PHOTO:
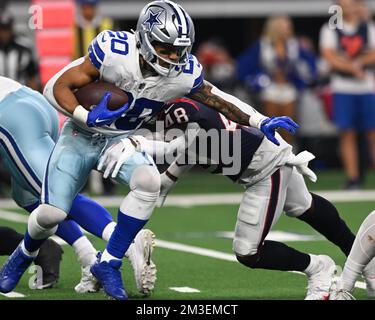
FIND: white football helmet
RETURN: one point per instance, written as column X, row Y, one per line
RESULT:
column 165, row 22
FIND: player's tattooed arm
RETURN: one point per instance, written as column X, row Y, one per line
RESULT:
column 223, row 103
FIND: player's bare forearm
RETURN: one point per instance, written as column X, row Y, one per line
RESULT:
column 337, row 61
column 70, row 80
column 228, row 109
column 368, row 58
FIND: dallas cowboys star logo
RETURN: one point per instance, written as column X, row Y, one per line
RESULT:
column 153, row 19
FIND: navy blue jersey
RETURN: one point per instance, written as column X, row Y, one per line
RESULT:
column 236, row 141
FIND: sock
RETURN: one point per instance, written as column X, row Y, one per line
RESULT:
column 106, row 256
column 69, row 231
column 277, row 256
column 32, row 254
column 362, row 252
column 31, row 246
column 90, row 215
column 85, row 251
column 325, row 219
column 125, row 231
column 9, row 240
column 35, row 234
column 313, row 265
column 108, row 230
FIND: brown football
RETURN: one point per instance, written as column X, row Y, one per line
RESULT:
column 91, row 94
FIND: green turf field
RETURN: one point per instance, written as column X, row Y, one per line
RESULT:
column 214, row 277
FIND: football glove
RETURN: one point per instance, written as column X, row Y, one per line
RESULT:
column 166, row 186
column 115, row 156
column 270, row 125
column 100, row 115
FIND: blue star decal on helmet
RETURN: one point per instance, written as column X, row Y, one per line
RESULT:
column 153, row 19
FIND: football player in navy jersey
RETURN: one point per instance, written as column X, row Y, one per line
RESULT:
column 273, row 182
column 153, row 65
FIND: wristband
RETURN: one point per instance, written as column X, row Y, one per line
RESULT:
column 256, row 120
column 80, row 114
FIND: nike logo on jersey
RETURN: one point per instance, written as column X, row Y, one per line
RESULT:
column 103, row 38
column 169, row 108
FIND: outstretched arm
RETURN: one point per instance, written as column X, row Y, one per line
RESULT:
column 236, row 110
column 231, row 107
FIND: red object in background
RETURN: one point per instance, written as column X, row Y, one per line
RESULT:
column 62, row 119
column 325, row 94
column 54, row 43
column 57, row 13
column 50, row 66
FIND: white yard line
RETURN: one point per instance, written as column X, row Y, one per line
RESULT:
column 184, row 289
column 13, row 294
column 222, row 198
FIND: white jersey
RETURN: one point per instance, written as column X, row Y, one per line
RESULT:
column 116, row 57
column 329, row 38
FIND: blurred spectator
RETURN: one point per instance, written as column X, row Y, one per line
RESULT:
column 88, row 24
column 277, row 67
column 218, row 66
column 364, row 11
column 350, row 52
column 16, row 60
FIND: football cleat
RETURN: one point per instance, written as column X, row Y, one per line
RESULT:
column 109, row 276
column 13, row 269
column 88, row 283
column 369, row 275
column 338, row 293
column 49, row 258
column 319, row 283
column 140, row 259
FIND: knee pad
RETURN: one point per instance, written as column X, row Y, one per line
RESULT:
column 248, row 260
column 145, row 188
column 36, row 230
column 49, row 216
column 145, row 183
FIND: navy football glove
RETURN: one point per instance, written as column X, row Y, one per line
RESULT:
column 100, row 115
column 269, row 126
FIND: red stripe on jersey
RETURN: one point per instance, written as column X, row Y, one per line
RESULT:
column 187, row 101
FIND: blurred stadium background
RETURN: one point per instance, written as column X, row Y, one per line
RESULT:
column 194, row 253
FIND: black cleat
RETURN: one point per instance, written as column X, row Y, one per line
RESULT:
column 49, row 258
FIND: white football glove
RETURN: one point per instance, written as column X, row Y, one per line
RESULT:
column 115, row 156
column 166, row 186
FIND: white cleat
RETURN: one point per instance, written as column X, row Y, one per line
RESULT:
column 319, row 283
column 140, row 259
column 338, row 293
column 369, row 275
column 88, row 282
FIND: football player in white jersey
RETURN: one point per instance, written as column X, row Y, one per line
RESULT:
column 25, row 145
column 153, row 65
